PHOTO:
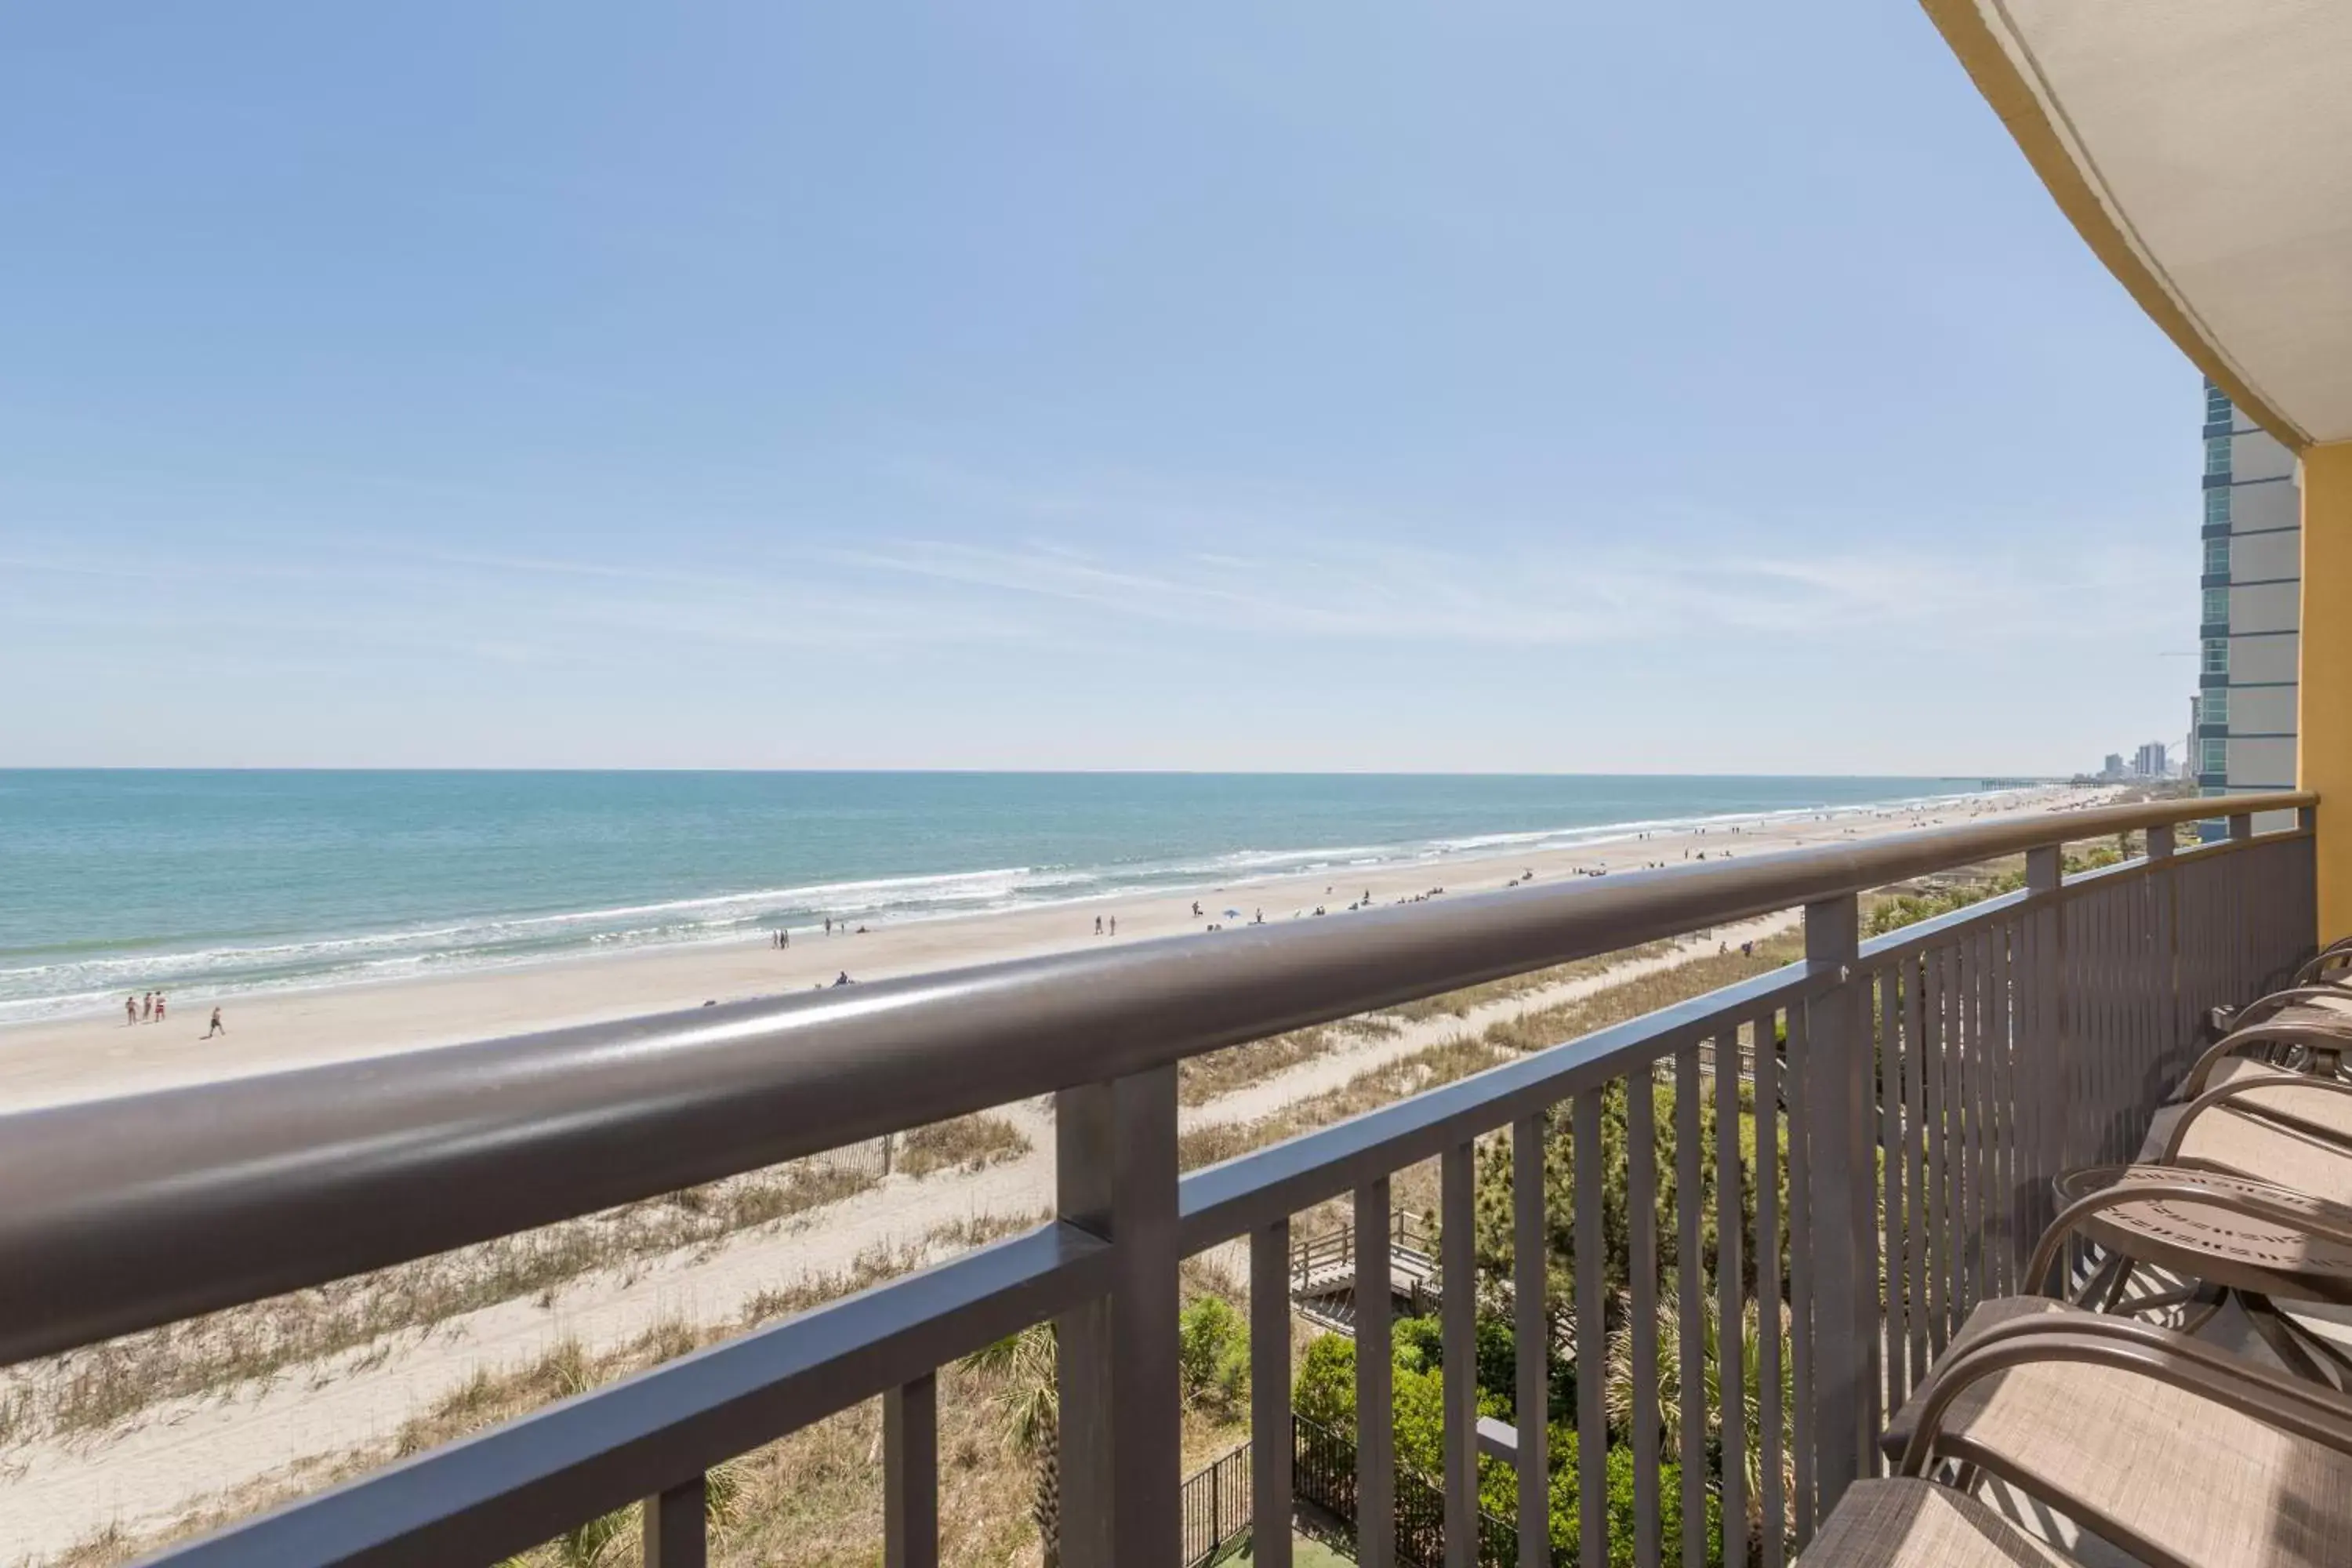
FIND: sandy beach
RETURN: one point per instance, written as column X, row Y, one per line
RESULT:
column 49, row 1062
column 236, row 1445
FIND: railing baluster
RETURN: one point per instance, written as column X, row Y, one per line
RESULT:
column 1730, row 1372
column 2000, row 1032
column 1979, row 1063
column 2024, row 1066
column 2099, row 998
column 1121, row 1459
column 1914, row 1155
column 2000, row 1112
column 1642, row 1268
column 910, row 1475
column 2091, row 989
column 1270, row 1431
column 1689, row 1293
column 1532, row 1332
column 675, row 1536
column 1796, row 1075
column 2044, row 917
column 2241, row 970
column 1375, row 1392
column 2075, row 1002
column 1889, row 1229
column 1943, row 1224
column 1458, row 1324
column 1967, row 1129
column 2103, row 995
column 1842, row 1177
column 2163, row 962
column 1592, row 1330
column 1769, row 1412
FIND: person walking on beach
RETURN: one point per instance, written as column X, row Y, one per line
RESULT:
column 147, row 1007
column 130, row 1011
column 1114, row 925
column 1098, row 925
column 217, row 1028
column 158, row 1006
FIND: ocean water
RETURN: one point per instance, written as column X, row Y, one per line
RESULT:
column 208, row 883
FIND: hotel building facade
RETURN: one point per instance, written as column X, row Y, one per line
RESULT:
column 2252, row 594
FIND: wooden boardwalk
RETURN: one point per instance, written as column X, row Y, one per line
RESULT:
column 1323, row 1273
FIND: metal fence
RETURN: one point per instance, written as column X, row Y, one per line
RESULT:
column 1215, row 1503
column 1983, row 1053
column 1323, row 1465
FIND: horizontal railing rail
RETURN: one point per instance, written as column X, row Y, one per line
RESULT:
column 125, row 1214
column 2009, row 1038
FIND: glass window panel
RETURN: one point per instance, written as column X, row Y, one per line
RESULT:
column 2213, row 706
column 2217, row 605
column 2217, row 656
column 2217, row 406
column 2217, row 453
column 2217, row 558
column 2217, row 756
column 2217, row 506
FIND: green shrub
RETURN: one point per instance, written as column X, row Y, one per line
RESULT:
column 1325, row 1392
column 1567, row 1506
column 1213, row 1354
column 1325, row 1389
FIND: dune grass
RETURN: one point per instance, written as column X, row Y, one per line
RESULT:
column 963, row 1144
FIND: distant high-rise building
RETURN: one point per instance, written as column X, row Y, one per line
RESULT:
column 2251, row 587
column 2115, row 768
column 2150, row 761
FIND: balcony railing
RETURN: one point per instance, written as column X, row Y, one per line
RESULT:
column 1914, row 1093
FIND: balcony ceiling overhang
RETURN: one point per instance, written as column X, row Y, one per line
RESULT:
column 2204, row 149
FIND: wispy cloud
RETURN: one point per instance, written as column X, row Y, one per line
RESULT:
column 1225, row 572
column 1554, row 596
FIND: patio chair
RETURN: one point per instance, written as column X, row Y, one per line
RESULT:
column 2224, row 1235
column 2179, row 1453
column 2324, row 978
column 1911, row 1523
column 2307, row 1029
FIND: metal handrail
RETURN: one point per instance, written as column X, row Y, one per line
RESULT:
column 125, row 1214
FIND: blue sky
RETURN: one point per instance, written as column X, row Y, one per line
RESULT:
column 1706, row 388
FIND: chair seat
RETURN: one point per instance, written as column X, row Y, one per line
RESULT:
column 2259, row 1147
column 1986, row 1315
column 2287, row 1097
column 1908, row 1523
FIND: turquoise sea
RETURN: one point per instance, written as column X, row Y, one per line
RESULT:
column 207, row 883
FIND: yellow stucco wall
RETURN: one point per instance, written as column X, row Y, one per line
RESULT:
column 2326, row 694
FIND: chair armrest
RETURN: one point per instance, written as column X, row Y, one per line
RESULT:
column 2334, row 957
